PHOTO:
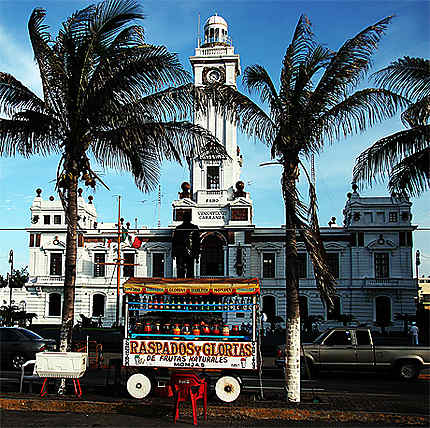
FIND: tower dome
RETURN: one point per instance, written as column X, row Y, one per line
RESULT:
column 216, row 30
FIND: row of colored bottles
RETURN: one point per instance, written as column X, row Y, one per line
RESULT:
column 195, row 329
column 185, row 303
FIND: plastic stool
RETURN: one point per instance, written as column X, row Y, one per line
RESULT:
column 189, row 387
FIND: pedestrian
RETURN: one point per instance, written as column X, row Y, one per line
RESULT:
column 413, row 332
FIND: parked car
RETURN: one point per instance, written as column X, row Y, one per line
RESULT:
column 355, row 349
column 18, row 345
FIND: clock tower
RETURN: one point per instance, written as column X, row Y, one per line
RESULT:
column 215, row 194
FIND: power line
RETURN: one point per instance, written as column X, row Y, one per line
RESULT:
column 7, row 229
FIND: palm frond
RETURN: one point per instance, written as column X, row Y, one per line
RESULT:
column 411, row 176
column 309, row 230
column 50, row 65
column 348, row 66
column 236, row 107
column 150, row 143
column 325, row 280
column 28, row 133
column 296, row 54
column 110, row 17
column 256, row 79
column 417, row 113
column 14, row 96
column 134, row 73
column 359, row 111
column 408, row 76
column 316, row 59
column 383, row 155
column 172, row 103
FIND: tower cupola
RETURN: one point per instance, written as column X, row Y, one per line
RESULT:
column 216, row 31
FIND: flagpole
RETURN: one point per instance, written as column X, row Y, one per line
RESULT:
column 118, row 266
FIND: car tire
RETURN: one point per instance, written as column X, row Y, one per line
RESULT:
column 17, row 361
column 408, row 371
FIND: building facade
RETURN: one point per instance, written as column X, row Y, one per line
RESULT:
column 370, row 253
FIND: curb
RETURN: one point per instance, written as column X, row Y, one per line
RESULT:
column 148, row 409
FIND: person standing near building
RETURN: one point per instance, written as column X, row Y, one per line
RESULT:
column 186, row 246
column 413, row 332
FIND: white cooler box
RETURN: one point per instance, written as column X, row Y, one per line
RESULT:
column 61, row 364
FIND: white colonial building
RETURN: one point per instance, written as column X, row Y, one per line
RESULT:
column 370, row 254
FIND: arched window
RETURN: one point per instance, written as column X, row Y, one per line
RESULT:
column 98, row 305
column 335, row 313
column 54, row 305
column 212, row 257
column 382, row 309
column 269, row 307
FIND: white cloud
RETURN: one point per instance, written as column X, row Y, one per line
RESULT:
column 18, row 61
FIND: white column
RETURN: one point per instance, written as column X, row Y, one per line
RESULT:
column 174, row 271
column 196, row 269
column 225, row 249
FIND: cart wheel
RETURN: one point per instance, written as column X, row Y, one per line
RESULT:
column 227, row 388
column 139, row 385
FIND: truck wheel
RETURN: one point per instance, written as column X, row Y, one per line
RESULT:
column 17, row 361
column 139, row 385
column 408, row 371
column 227, row 388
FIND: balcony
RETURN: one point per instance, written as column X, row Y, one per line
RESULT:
column 215, row 51
column 389, row 283
column 215, row 196
column 49, row 279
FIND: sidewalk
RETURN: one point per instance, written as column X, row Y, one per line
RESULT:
column 316, row 406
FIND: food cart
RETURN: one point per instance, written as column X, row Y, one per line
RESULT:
column 207, row 326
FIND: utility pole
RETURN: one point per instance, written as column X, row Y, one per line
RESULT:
column 10, row 285
column 118, row 262
column 417, row 263
column 159, row 206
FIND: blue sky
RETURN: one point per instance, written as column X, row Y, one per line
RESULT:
column 261, row 30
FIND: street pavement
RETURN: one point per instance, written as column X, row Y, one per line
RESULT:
column 337, row 400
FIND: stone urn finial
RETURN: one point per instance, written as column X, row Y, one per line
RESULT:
column 186, row 190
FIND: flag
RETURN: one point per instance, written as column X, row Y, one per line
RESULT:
column 124, row 234
column 136, row 243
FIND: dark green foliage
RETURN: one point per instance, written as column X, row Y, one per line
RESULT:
column 403, row 157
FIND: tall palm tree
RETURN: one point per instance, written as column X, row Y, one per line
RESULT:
column 106, row 98
column 313, row 105
column 404, row 156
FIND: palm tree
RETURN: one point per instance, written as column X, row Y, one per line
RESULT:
column 106, row 97
column 313, row 105
column 405, row 155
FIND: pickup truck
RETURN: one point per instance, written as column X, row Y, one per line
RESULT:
column 354, row 349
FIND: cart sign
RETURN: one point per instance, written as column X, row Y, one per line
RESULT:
column 198, row 287
column 190, row 354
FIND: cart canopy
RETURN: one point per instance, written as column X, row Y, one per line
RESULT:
column 193, row 286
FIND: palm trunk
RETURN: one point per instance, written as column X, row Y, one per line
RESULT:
column 292, row 343
column 70, row 270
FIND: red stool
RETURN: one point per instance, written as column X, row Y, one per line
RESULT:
column 78, row 390
column 188, row 386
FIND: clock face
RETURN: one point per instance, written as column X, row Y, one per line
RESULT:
column 213, row 75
